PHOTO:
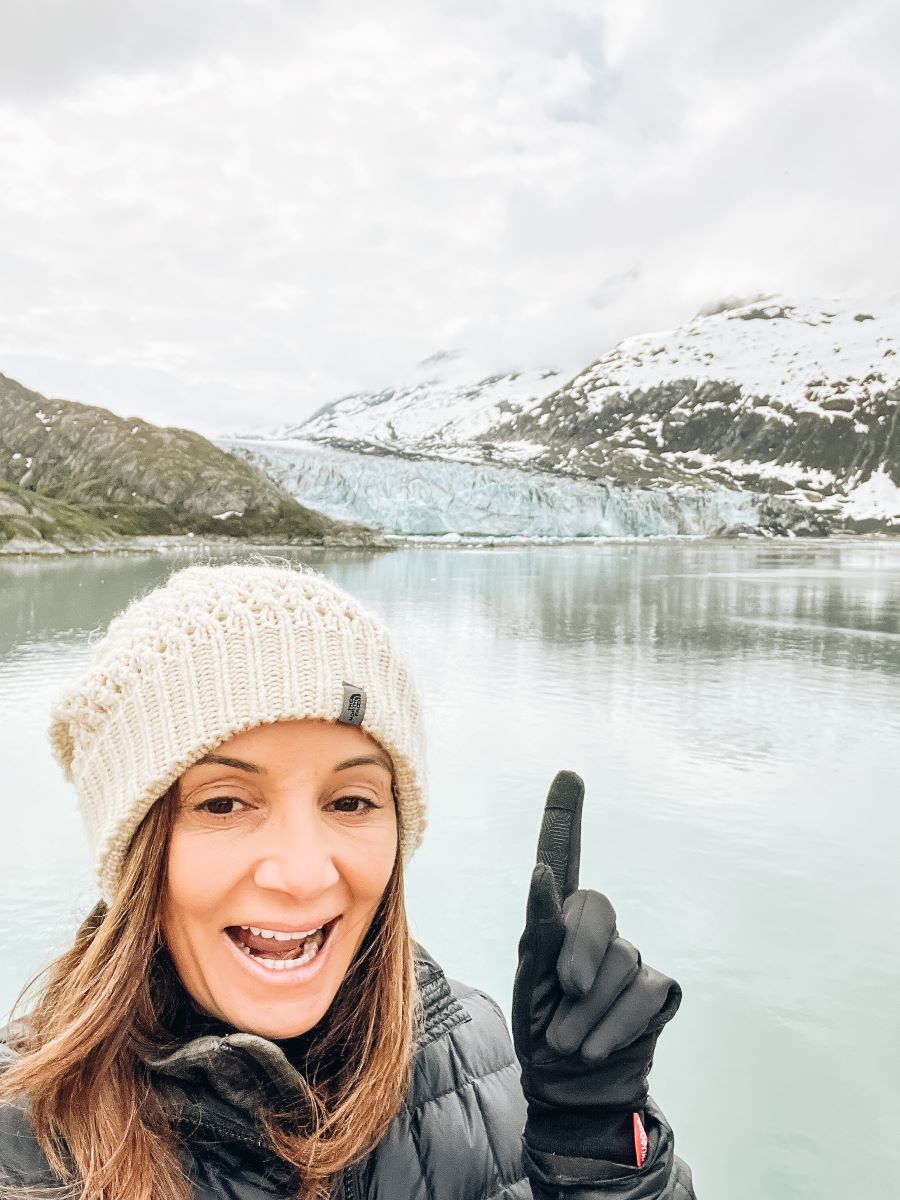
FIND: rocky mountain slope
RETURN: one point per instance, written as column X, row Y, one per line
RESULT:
column 794, row 403
column 80, row 472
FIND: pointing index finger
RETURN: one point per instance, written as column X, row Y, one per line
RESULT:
column 559, row 843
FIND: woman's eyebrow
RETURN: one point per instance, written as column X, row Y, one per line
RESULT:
column 221, row 761
column 366, row 760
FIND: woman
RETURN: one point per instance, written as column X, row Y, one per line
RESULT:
column 244, row 1014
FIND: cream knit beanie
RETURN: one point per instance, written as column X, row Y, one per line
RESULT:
column 215, row 651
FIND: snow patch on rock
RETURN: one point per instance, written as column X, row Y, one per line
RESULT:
column 877, row 498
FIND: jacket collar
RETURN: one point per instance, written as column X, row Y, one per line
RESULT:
column 441, row 1011
column 221, row 1081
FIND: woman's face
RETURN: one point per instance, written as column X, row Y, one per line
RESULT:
column 286, row 830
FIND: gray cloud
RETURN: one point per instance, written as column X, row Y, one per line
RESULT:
column 235, row 210
column 51, row 47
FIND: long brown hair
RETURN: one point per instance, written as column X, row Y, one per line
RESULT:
column 94, row 1109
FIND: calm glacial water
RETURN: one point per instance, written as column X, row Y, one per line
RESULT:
column 735, row 712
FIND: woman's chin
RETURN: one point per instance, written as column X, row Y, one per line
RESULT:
column 277, row 1018
column 281, row 1004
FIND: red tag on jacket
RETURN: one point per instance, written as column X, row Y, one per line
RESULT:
column 640, row 1140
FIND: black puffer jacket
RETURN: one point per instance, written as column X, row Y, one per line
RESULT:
column 458, row 1137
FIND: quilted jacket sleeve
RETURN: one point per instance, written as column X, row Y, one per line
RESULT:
column 662, row 1177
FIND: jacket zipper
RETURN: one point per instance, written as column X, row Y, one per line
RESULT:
column 349, row 1185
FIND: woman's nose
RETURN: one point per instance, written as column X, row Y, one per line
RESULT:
column 297, row 857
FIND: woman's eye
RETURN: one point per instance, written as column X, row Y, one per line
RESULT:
column 219, row 806
column 352, row 804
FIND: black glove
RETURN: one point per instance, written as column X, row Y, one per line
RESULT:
column 586, row 1011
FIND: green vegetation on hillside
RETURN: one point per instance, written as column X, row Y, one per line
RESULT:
column 27, row 517
column 73, row 472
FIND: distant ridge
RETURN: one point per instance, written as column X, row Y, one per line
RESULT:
column 795, row 400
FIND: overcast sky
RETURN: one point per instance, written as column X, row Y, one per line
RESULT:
column 223, row 213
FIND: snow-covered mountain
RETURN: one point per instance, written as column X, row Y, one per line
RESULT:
column 441, row 410
column 773, row 413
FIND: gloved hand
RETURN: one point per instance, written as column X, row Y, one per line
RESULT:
column 586, row 1010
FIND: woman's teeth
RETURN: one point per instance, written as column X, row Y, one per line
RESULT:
column 307, row 943
column 278, row 935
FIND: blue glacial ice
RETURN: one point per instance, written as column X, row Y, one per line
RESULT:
column 434, row 497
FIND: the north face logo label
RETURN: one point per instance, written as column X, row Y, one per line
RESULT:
column 353, row 708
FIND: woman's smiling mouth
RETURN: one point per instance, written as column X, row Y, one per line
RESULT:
column 278, row 950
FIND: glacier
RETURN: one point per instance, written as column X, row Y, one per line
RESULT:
column 418, row 496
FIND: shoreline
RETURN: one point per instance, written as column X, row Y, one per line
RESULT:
column 179, row 543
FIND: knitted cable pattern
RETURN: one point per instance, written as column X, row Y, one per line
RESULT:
column 213, row 652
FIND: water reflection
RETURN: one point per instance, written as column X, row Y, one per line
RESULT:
column 645, row 596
